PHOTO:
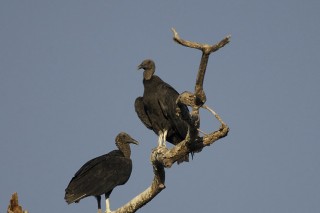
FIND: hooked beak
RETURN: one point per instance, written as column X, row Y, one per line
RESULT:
column 133, row 141
column 140, row 66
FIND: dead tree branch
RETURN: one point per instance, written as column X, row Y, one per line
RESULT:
column 14, row 206
column 206, row 51
column 147, row 195
column 164, row 158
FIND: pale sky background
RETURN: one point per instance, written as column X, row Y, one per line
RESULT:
column 68, row 81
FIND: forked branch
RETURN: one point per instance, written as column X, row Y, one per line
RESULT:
column 203, row 47
column 206, row 51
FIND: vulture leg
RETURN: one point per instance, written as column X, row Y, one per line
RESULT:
column 160, row 138
column 108, row 206
column 99, row 203
column 164, row 139
column 107, row 202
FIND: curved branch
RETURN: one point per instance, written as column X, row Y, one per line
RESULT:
column 162, row 157
column 167, row 157
column 157, row 185
column 203, row 47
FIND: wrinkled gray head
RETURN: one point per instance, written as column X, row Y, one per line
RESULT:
column 122, row 142
column 149, row 68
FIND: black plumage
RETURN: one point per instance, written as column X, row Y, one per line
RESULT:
column 157, row 109
column 102, row 174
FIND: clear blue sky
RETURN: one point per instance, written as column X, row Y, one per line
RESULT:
column 68, row 81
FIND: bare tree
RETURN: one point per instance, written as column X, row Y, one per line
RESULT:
column 161, row 157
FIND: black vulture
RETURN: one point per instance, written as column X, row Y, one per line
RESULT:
column 102, row 174
column 157, row 108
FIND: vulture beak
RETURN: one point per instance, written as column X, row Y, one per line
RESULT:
column 133, row 141
column 140, row 66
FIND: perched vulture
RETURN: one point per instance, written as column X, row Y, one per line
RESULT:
column 102, row 174
column 157, row 109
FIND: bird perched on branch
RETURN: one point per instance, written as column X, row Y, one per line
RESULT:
column 102, row 174
column 157, row 109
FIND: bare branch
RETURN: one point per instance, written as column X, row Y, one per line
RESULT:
column 162, row 157
column 203, row 47
column 214, row 113
column 186, row 43
column 167, row 157
column 206, row 50
column 14, row 206
column 157, row 185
